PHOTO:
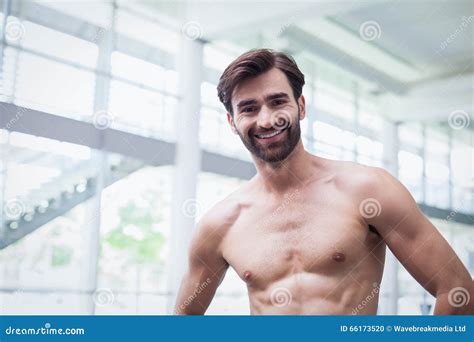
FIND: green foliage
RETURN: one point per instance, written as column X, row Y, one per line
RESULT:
column 62, row 256
column 135, row 235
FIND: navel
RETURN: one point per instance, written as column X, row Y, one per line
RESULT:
column 340, row 257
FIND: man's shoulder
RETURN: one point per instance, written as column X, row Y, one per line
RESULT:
column 223, row 214
column 359, row 179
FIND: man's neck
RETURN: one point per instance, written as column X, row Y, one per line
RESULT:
column 291, row 173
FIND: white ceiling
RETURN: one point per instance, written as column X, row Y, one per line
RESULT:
column 418, row 42
column 414, row 32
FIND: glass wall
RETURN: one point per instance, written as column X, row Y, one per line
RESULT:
column 436, row 165
column 58, row 69
column 123, row 206
column 127, row 219
column 412, row 296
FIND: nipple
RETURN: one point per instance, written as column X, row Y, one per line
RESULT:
column 247, row 275
column 339, row 257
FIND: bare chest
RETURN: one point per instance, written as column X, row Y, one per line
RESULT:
column 274, row 240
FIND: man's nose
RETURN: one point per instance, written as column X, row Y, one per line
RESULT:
column 264, row 119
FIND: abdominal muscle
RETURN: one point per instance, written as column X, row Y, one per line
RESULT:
column 312, row 294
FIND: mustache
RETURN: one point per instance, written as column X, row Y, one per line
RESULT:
column 252, row 131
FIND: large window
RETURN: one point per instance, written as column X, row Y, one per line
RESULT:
column 42, row 84
column 437, row 169
column 462, row 171
column 412, row 295
column 411, row 173
column 55, row 72
column 147, row 30
column 52, row 269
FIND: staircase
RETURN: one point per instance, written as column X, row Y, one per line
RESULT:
column 55, row 197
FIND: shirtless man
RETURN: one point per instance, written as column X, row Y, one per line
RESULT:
column 308, row 235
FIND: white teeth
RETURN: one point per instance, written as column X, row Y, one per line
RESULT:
column 265, row 136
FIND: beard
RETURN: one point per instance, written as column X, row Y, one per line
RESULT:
column 276, row 151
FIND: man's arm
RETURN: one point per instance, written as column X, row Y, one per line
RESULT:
column 206, row 270
column 419, row 246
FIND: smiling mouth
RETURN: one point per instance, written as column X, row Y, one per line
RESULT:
column 270, row 134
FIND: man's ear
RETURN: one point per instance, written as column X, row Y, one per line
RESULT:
column 302, row 107
column 230, row 119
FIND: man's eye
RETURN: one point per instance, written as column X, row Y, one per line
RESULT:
column 278, row 102
column 248, row 110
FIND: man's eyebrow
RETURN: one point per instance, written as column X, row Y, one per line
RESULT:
column 277, row 96
column 244, row 103
column 270, row 97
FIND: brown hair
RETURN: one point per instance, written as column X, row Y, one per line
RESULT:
column 252, row 64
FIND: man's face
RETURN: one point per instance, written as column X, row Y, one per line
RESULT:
column 266, row 116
